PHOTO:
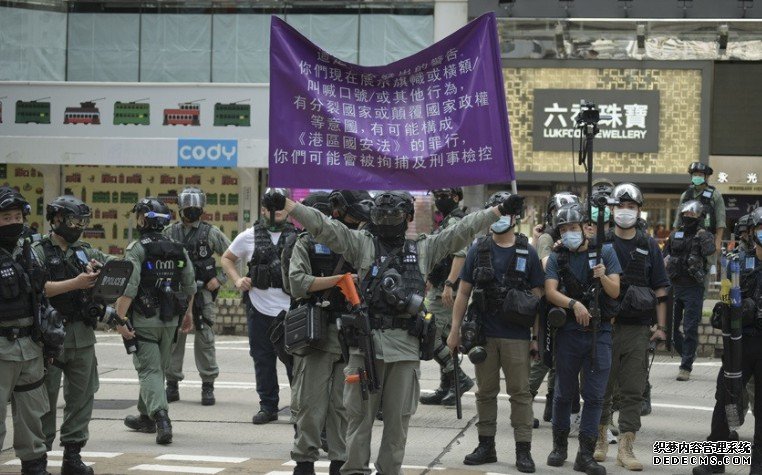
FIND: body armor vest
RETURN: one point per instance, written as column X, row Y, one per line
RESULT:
column 685, row 263
column 705, row 197
column 160, row 275
column 494, row 286
column 199, row 250
column 323, row 262
column 636, row 270
column 15, row 289
column 574, row 288
column 405, row 261
column 70, row 304
column 264, row 266
column 441, row 270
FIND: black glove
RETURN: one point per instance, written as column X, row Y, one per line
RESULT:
column 274, row 201
column 511, row 206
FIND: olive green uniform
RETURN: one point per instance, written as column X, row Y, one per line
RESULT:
column 318, row 386
column 397, row 352
column 77, row 362
column 203, row 340
column 21, row 363
column 718, row 203
column 443, row 313
column 155, row 336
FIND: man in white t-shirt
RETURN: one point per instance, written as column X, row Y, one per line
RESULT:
column 260, row 247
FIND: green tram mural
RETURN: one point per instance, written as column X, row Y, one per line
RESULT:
column 33, row 112
column 134, row 112
column 234, row 113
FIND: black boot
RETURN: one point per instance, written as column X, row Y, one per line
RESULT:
column 445, row 383
column 173, row 392
column 708, row 469
column 547, row 415
column 645, row 406
column 141, row 423
column 559, row 454
column 163, row 427
column 35, row 467
column 304, row 468
column 465, row 384
column 483, row 453
column 207, row 394
column 524, row 462
column 585, row 461
column 756, row 460
column 335, row 467
column 72, row 462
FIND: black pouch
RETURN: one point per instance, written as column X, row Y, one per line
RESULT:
column 637, row 302
column 167, row 306
column 428, row 336
column 304, row 327
column 276, row 276
column 520, row 307
column 9, row 285
column 260, row 277
column 276, row 335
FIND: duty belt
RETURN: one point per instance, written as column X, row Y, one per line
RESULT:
column 14, row 333
column 388, row 322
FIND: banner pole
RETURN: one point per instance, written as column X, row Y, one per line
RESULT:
column 514, row 187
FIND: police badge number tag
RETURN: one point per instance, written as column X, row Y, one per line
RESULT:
column 750, row 264
column 707, row 193
column 322, row 250
column 521, row 264
column 679, row 235
column 203, row 251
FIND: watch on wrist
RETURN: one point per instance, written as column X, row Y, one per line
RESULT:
column 571, row 304
column 662, row 328
column 449, row 283
column 534, row 337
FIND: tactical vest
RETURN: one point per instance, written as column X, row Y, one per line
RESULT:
column 405, row 261
column 636, row 270
column 323, row 262
column 705, row 198
column 441, row 270
column 685, row 262
column 494, row 286
column 70, row 304
column 199, row 251
column 160, row 275
column 264, row 266
column 15, row 289
column 580, row 291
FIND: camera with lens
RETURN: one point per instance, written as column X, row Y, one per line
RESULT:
column 396, row 296
column 696, row 267
column 588, row 114
column 471, row 341
column 556, row 317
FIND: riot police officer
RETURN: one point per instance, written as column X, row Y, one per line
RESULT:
column 743, row 235
column 644, row 299
column 506, row 277
column 22, row 370
column 202, row 241
column 158, row 300
column 318, row 384
column 72, row 269
column 569, row 276
column 399, row 332
column 751, row 360
column 443, row 282
column 260, row 247
column 687, row 252
column 711, row 200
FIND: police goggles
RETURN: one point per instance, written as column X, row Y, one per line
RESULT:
column 79, row 222
column 387, row 216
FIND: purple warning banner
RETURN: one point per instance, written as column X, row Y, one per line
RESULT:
column 435, row 119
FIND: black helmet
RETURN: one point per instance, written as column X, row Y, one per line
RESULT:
column 354, row 203
column 318, row 200
column 755, row 218
column 497, row 198
column 457, row 191
column 557, row 201
column 569, row 214
column 742, row 225
column 698, row 167
column 392, row 207
column 75, row 212
column 628, row 192
column 603, row 186
column 157, row 214
column 191, row 197
column 12, row 199
column 694, row 206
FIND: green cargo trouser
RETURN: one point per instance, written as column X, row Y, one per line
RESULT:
column 151, row 361
column 203, row 350
column 316, row 402
column 443, row 320
column 27, row 407
column 512, row 356
column 537, row 374
column 629, row 370
column 399, row 394
column 80, row 368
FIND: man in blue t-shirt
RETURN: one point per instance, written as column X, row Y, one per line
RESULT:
column 498, row 267
column 569, row 273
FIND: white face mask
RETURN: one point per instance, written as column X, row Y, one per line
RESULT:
column 625, row 218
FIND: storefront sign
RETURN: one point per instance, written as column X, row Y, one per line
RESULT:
column 207, row 153
column 632, row 124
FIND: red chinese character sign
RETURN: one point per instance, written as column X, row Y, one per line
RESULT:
column 434, row 119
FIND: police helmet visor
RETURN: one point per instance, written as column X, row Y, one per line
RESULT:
column 387, row 217
column 628, row 192
column 79, row 222
column 564, row 199
column 191, row 200
column 692, row 206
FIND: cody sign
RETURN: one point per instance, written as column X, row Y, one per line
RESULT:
column 207, row 153
column 632, row 126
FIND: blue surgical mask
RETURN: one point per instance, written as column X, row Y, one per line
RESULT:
column 698, row 180
column 502, row 225
column 759, row 236
column 572, row 240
